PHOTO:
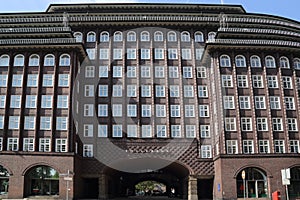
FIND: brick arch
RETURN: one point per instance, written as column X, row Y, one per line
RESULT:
column 7, row 168
column 268, row 173
column 28, row 168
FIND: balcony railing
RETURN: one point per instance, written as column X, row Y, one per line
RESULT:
column 35, row 30
column 255, row 42
column 256, row 30
column 38, row 41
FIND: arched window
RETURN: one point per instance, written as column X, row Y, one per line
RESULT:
column 255, row 184
column 19, row 60
column 49, row 60
column 4, row 180
column 255, row 61
column 131, row 36
column 64, row 60
column 158, row 36
column 172, row 36
column 270, row 62
column 104, row 36
column 211, row 36
column 284, row 62
column 185, row 36
column 199, row 37
column 42, row 180
column 4, row 60
column 118, row 36
column 145, row 36
column 91, row 37
column 34, row 60
column 297, row 63
column 78, row 36
column 240, row 61
column 225, row 61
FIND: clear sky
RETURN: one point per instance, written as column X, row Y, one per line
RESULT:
column 284, row 8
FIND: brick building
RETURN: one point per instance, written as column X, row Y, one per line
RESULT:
column 96, row 98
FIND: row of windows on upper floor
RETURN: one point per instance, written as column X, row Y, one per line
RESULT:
column 144, row 36
column 61, row 144
column 255, row 61
column 34, row 60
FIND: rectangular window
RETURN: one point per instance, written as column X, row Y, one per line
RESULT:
column 104, row 54
column 199, row 53
column 248, row 146
column 189, row 110
column 161, row 131
column 202, row 91
column 173, row 72
column 279, row 146
column 12, row 144
column 1, row 122
column 102, row 130
column 117, row 110
column 264, row 146
column 117, row 54
column 188, row 91
column 201, row 72
column 1, row 143
column 131, row 91
column 160, row 110
column 103, row 90
column 89, row 90
column 287, row 82
column 17, row 80
column 187, row 72
column 292, row 124
column 176, row 131
column 2, row 101
column 227, row 81
column 62, row 123
column 159, row 53
column 190, row 131
column 88, row 130
column 145, row 72
column 206, row 151
column 117, row 71
column 205, row 131
column 244, row 102
column 294, row 144
column 103, row 71
column 145, row 54
column 262, row 124
column 89, row 72
column 260, row 102
column 131, row 54
column 257, row 81
column 146, row 90
column 117, row 130
column 45, row 145
column 159, row 72
column 63, row 80
column 160, row 91
column 32, row 80
column 289, row 103
column 131, row 110
column 175, row 110
column 47, row 101
column 117, row 91
column 146, row 131
column 48, row 80
column 203, row 110
column 62, row 101
column 45, row 123
column 13, row 122
column 131, row 130
column 186, row 54
column 272, row 81
column 146, row 110
column 242, row 81
column 174, row 91
column 275, row 102
column 230, row 124
column 88, row 150
column 298, row 82
column 61, row 145
column 231, row 146
column 228, row 102
column 131, row 71
column 102, row 110
column 91, row 53
column 15, row 101
column 277, row 124
column 246, row 124
column 29, row 123
column 28, row 144
column 3, row 80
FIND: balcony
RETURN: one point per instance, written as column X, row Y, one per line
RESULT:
column 38, row 41
column 259, row 31
column 35, row 30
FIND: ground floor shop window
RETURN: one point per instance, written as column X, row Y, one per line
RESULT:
column 4, row 181
column 294, row 187
column 254, row 185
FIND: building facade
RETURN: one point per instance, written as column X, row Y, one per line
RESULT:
column 96, row 98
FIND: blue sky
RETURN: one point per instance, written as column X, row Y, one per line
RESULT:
column 285, row 8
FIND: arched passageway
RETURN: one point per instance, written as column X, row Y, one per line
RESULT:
column 294, row 187
column 4, row 181
column 41, row 181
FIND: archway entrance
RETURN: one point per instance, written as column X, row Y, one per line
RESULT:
column 294, row 187
column 151, row 188
column 255, row 184
column 42, row 181
column 4, row 182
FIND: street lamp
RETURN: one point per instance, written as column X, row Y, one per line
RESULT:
column 243, row 177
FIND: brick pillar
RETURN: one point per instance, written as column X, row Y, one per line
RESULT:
column 103, row 190
column 192, row 188
column 16, row 187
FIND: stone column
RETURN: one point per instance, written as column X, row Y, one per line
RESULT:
column 192, row 188
column 103, row 190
